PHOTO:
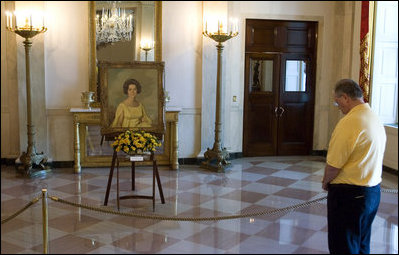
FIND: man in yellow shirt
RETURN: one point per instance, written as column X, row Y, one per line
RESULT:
column 353, row 172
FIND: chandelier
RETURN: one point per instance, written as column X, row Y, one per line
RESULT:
column 114, row 25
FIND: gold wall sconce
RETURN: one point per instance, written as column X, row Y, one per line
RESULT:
column 146, row 46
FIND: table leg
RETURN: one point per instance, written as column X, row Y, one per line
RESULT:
column 111, row 173
column 117, row 183
column 155, row 167
column 175, row 146
column 77, row 167
column 153, row 189
column 133, row 174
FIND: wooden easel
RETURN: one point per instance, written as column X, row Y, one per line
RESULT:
column 155, row 174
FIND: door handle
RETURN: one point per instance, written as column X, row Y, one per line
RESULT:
column 282, row 111
column 275, row 111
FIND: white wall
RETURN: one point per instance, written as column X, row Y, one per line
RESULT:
column 391, row 149
column 66, row 53
column 182, row 53
column 67, row 73
column 9, row 89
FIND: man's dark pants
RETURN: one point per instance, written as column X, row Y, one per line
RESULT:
column 351, row 210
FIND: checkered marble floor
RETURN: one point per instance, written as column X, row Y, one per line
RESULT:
column 251, row 185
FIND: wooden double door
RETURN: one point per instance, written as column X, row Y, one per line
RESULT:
column 280, row 63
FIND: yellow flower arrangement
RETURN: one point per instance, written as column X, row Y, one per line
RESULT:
column 135, row 142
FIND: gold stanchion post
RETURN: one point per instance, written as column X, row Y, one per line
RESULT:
column 45, row 221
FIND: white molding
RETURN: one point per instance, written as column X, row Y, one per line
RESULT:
column 191, row 111
column 391, row 130
column 58, row 112
column 391, row 164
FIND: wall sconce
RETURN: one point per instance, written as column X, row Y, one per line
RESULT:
column 146, row 46
column 28, row 25
column 219, row 34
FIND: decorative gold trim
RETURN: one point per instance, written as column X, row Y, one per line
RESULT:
column 364, row 81
column 366, row 47
column 84, row 119
column 158, row 30
column 372, row 15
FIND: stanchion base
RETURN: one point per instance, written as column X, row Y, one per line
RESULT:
column 216, row 160
column 33, row 164
column 34, row 172
column 40, row 173
column 214, row 166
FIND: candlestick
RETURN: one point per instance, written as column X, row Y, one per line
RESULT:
column 216, row 158
column 31, row 160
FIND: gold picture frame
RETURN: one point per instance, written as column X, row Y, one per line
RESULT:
column 140, row 107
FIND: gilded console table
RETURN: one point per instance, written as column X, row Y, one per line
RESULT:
column 87, row 120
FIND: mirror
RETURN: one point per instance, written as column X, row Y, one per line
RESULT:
column 147, row 26
column 295, row 76
column 261, row 75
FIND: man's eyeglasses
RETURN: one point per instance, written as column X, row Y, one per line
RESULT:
column 335, row 102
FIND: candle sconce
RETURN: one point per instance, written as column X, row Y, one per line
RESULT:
column 146, row 46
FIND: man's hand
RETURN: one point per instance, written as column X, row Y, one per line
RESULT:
column 324, row 185
column 330, row 173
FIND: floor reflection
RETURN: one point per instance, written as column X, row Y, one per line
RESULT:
column 253, row 185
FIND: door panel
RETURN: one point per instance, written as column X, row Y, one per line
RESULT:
column 296, row 116
column 280, row 36
column 261, row 133
column 261, row 85
column 291, row 129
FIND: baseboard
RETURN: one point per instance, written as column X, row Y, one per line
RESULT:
column 8, row 161
column 61, row 164
column 390, row 170
column 197, row 161
column 235, row 155
column 190, row 161
column 322, row 153
column 53, row 164
column 182, row 161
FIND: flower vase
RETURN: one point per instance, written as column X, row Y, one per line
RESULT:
column 139, row 155
column 134, row 153
column 87, row 98
column 138, row 152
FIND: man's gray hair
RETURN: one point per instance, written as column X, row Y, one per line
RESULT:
column 349, row 87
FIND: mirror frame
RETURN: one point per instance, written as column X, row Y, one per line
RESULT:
column 93, row 85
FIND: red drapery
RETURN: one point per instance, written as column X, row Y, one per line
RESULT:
column 364, row 76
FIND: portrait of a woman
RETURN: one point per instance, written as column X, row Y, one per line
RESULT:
column 130, row 112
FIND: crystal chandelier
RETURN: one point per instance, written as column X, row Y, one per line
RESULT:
column 114, row 25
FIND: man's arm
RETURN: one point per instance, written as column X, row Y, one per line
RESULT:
column 330, row 173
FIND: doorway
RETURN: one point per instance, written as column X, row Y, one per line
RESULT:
column 280, row 64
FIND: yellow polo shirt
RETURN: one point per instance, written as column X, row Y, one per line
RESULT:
column 357, row 147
